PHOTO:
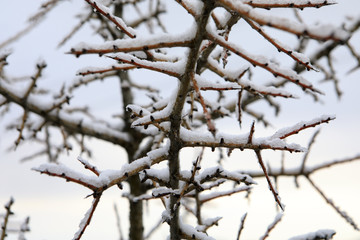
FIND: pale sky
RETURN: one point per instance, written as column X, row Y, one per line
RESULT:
column 56, row 207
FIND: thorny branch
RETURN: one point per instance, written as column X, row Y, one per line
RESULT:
column 158, row 130
column 8, row 226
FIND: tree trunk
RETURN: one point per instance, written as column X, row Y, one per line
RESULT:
column 175, row 118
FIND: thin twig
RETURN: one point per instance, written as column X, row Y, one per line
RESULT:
column 241, row 227
column 342, row 213
column 272, row 189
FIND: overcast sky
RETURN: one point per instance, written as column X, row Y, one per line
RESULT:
column 56, row 207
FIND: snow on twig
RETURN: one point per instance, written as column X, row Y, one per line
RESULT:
column 325, row 234
column 136, row 44
column 174, row 69
column 106, row 178
column 301, row 4
column 203, row 139
column 262, row 62
column 286, row 132
column 241, row 227
column 106, row 12
column 87, row 218
column 272, row 226
column 190, row 232
column 321, row 32
column 240, row 82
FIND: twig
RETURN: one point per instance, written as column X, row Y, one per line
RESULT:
column 210, row 124
column 116, row 20
column 272, row 226
column 153, row 229
column 293, row 4
column 6, row 218
column 251, row 133
column 342, row 213
column 305, row 157
column 274, row 192
column 88, row 216
column 118, row 222
column 241, row 227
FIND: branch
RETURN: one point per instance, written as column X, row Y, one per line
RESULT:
column 272, row 226
column 70, row 125
column 286, row 132
column 322, row 33
column 6, row 218
column 119, row 23
column 272, row 189
column 88, row 216
column 319, row 234
column 342, row 213
column 241, row 227
column 262, row 62
column 289, row 4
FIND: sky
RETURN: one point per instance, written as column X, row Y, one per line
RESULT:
column 56, row 207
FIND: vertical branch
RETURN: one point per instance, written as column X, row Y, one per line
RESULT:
column 136, row 231
column 251, row 133
column 312, row 140
column 88, row 216
column 118, row 221
column 175, row 116
column 241, row 227
column 207, row 115
column 21, row 128
column 6, row 218
column 238, row 107
column 272, row 189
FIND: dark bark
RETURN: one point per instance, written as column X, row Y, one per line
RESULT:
column 175, row 117
column 136, row 231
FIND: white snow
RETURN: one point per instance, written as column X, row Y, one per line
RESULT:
column 286, row 24
column 319, row 234
column 83, row 222
column 284, row 131
column 161, row 114
column 118, row 20
column 161, row 191
column 259, row 60
column 175, row 68
column 239, row 141
column 161, row 174
column 215, row 194
column 286, row 2
column 106, row 177
column 61, row 169
column 140, row 42
column 195, row 6
column 192, row 232
column 207, row 222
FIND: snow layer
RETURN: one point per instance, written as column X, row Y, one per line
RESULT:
column 320, row 234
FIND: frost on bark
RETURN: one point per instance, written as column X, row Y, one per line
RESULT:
column 206, row 57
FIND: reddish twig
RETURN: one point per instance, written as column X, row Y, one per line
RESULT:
column 272, row 189
column 116, row 20
column 293, row 4
column 88, row 216
column 210, row 124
